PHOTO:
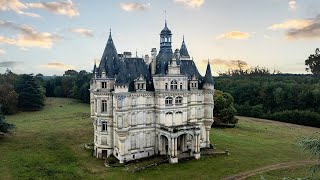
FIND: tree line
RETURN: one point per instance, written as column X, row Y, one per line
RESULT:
column 281, row 97
column 27, row 92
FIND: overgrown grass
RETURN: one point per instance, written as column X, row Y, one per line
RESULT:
column 48, row 144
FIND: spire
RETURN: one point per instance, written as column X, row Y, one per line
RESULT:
column 208, row 79
column 109, row 58
column 183, row 50
column 165, row 18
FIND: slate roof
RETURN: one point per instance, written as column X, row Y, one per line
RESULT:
column 183, row 50
column 208, row 77
column 109, row 60
column 166, row 30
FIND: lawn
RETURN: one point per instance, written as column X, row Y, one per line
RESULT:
column 48, row 144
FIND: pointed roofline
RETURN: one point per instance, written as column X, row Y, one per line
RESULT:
column 208, row 78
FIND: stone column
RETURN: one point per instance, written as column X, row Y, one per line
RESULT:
column 122, row 149
column 172, row 147
column 208, row 137
column 197, row 150
column 175, row 147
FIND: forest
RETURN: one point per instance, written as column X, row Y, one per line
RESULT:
column 282, row 97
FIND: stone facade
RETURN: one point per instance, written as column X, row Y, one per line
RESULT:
column 140, row 108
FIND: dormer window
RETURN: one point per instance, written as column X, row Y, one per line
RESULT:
column 174, row 85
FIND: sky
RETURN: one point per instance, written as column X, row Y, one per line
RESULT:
column 52, row 36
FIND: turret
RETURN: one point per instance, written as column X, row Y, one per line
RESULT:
column 184, row 51
column 208, row 79
column 165, row 38
column 109, row 58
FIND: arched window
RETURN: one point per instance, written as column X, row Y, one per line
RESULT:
column 168, row 101
column 174, row 84
column 166, row 86
column 178, row 100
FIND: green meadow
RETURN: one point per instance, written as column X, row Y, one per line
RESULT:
column 49, row 144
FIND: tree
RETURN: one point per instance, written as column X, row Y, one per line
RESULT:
column 312, row 144
column 4, row 126
column 313, row 63
column 31, row 93
column 70, row 72
column 224, row 111
column 8, row 96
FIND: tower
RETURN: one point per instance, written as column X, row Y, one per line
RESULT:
column 208, row 91
column 165, row 38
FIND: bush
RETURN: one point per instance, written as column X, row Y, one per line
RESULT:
column 307, row 118
column 224, row 111
column 4, row 126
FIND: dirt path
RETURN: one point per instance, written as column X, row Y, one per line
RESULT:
column 244, row 175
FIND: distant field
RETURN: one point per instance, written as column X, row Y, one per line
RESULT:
column 49, row 145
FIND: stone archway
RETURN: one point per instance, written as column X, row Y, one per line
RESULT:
column 184, row 143
column 164, row 145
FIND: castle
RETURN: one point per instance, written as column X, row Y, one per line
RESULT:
column 146, row 106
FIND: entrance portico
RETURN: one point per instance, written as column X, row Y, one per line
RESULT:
column 179, row 141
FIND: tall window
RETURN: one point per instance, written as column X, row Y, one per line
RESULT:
column 103, row 85
column 104, row 106
column 168, row 101
column 133, row 142
column 181, row 86
column 178, row 100
column 166, row 86
column 147, row 139
column 174, row 84
column 104, row 126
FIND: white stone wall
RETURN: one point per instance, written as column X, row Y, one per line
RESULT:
column 134, row 117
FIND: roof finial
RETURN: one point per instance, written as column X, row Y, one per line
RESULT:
column 165, row 18
column 208, row 61
column 183, row 38
column 136, row 53
column 110, row 32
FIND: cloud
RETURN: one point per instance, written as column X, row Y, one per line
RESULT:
column 27, row 37
column 227, row 64
column 2, row 51
column 234, row 35
column 191, row 3
column 9, row 64
column 129, row 7
column 292, row 24
column 57, row 65
column 83, row 32
column 300, row 29
column 67, row 8
column 16, row 6
column 292, row 5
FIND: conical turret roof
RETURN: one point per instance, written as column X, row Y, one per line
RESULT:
column 183, row 50
column 109, row 58
column 208, row 79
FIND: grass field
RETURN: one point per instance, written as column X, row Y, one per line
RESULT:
column 48, row 144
